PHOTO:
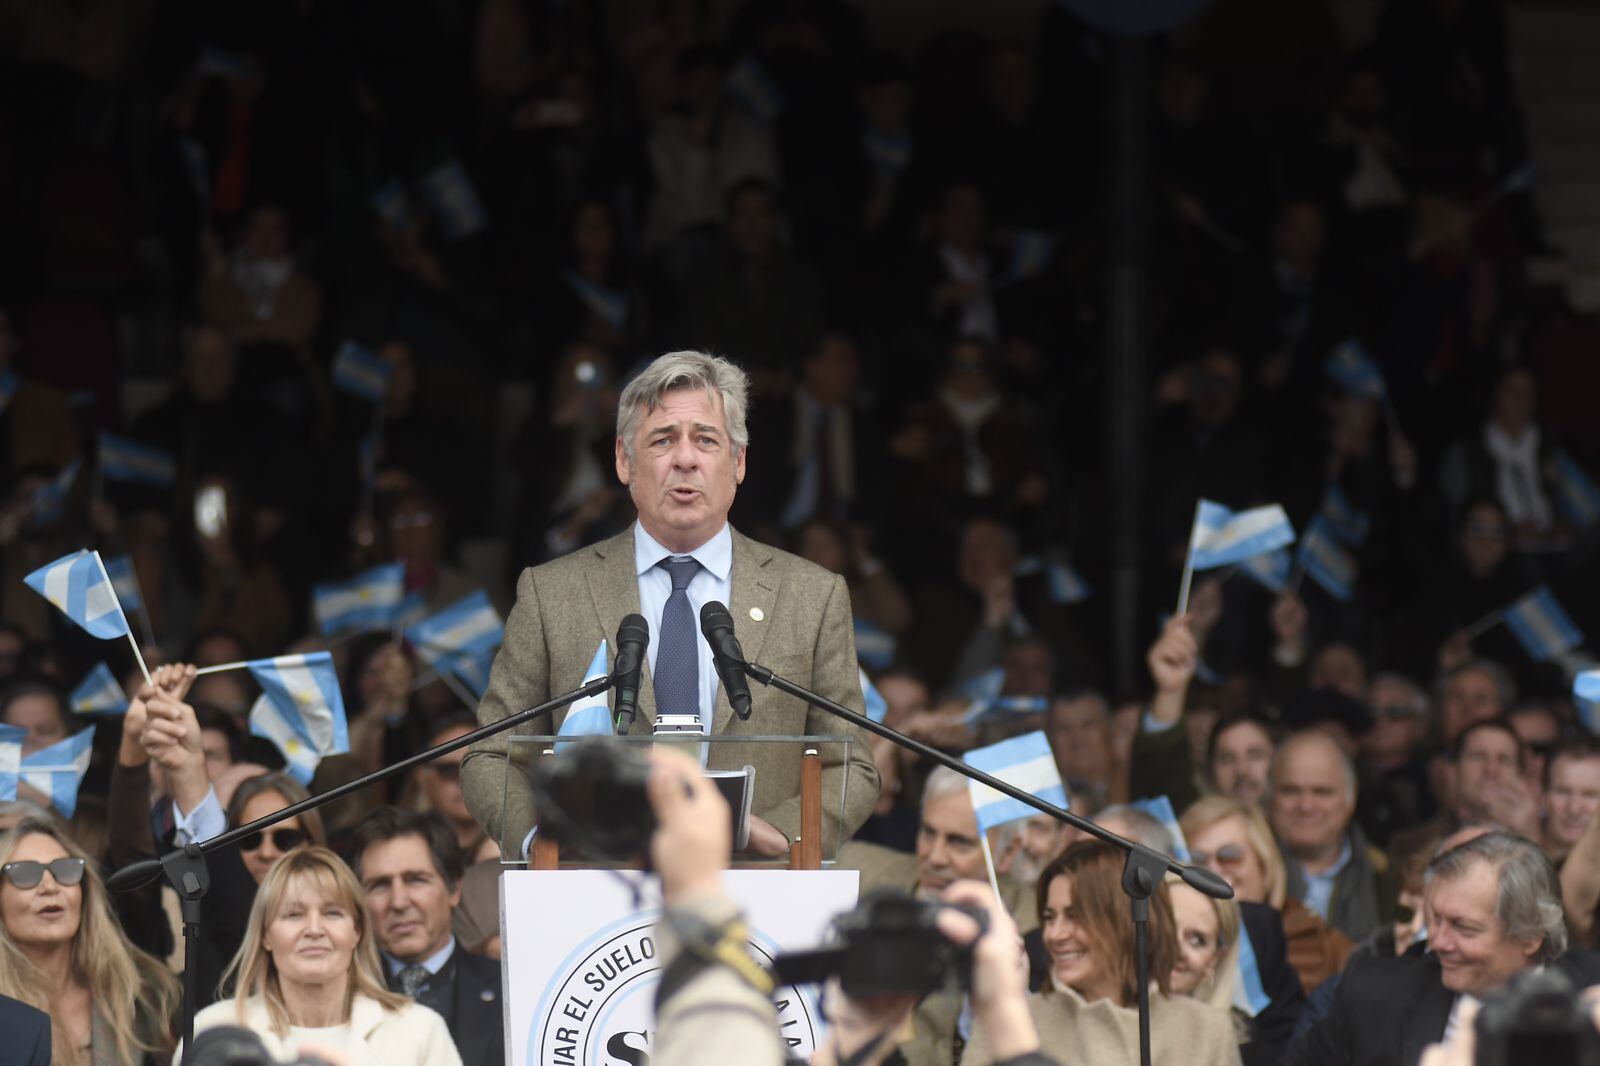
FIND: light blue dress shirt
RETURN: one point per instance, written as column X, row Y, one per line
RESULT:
column 202, row 823
column 713, row 582
column 433, row 963
column 1319, row 887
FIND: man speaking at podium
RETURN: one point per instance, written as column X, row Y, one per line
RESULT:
column 680, row 449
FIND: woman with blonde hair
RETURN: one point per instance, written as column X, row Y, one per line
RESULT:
column 63, row 951
column 308, row 972
column 1090, row 1012
column 1232, row 839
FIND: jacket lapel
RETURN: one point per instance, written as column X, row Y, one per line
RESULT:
column 613, row 581
column 755, row 588
column 1429, row 1015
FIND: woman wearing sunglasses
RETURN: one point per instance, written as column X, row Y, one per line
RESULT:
column 1231, row 838
column 264, row 795
column 308, row 972
column 63, row 951
column 1090, row 1010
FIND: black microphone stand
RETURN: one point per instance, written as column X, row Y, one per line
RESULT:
column 1141, row 874
column 185, row 867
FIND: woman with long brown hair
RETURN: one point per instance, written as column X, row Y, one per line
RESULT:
column 63, row 951
column 1089, row 1012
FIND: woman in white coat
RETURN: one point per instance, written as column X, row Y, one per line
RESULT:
column 308, row 972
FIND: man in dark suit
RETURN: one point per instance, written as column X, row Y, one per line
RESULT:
column 410, row 867
column 1493, row 908
column 27, row 1033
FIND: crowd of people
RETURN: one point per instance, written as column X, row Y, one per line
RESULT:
column 902, row 243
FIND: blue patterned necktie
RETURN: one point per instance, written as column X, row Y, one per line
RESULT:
column 677, row 676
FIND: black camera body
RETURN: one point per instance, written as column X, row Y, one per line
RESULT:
column 1539, row 1018
column 590, row 798
column 229, row 1045
column 890, row 945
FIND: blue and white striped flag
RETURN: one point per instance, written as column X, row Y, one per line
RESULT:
column 609, row 305
column 983, row 692
column 49, row 498
column 1160, row 808
column 125, row 583
column 361, row 372
column 1032, row 252
column 1326, row 562
column 1576, row 493
column 78, row 586
column 460, row 637
column 127, row 460
column 58, row 770
column 1541, row 625
column 888, row 153
column 1586, row 694
column 1067, row 586
column 391, row 204
column 877, row 706
column 1222, row 537
column 1270, row 570
column 1024, row 762
column 1355, row 372
column 874, row 645
column 8, row 387
column 11, row 738
column 453, row 200
column 752, row 88
column 590, row 716
column 99, row 693
column 1348, row 524
column 367, row 601
column 300, row 710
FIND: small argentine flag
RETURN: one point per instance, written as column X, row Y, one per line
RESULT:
column 300, row 710
column 609, row 305
column 99, row 693
column 1270, row 570
column 1576, row 493
column 11, row 738
column 1586, row 693
column 1024, row 762
column 391, row 204
column 453, row 200
column 1541, row 625
column 122, row 459
column 459, row 637
column 1354, row 371
column 874, row 646
column 367, row 601
column 753, row 89
column 889, row 153
column 877, row 706
column 590, row 716
column 58, row 770
column 361, row 372
column 1326, row 562
column 125, row 583
column 1222, row 538
column 1160, row 808
column 1066, row 585
column 8, row 388
column 78, row 586
column 1032, row 252
column 49, row 498
column 1348, row 524
column 984, row 693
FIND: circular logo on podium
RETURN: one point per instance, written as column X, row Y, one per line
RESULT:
column 599, row 1008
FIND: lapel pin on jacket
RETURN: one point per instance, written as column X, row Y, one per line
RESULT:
column 757, row 614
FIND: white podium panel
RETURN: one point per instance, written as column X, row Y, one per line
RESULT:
column 580, row 964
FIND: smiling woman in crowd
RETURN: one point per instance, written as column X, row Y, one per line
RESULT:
column 1090, row 1013
column 308, row 971
column 63, row 951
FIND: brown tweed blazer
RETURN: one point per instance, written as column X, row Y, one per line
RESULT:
column 565, row 607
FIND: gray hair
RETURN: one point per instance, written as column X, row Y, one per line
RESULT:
column 1142, row 827
column 1505, row 687
column 1528, row 896
column 1415, row 698
column 685, row 370
column 942, row 781
column 1306, row 736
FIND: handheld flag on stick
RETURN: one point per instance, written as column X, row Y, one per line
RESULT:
column 58, row 770
column 590, row 716
column 1354, row 371
column 300, row 710
column 126, row 460
column 125, row 583
column 1221, row 537
column 1576, row 493
column 99, row 693
column 361, row 372
column 79, row 587
column 1160, row 808
column 11, row 738
column 874, row 646
column 1024, row 762
column 49, row 498
column 753, row 89
column 367, row 601
column 391, row 204
column 986, row 702
column 453, row 200
column 1323, row 560
column 1348, row 524
column 1032, row 252
column 1270, row 570
column 877, row 706
column 460, row 639
column 1541, row 626
column 609, row 305
column 1066, row 585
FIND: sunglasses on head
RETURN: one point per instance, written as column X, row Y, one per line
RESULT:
column 282, row 839
column 1227, row 854
column 28, row 873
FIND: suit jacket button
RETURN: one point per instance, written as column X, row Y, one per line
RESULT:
column 487, row 995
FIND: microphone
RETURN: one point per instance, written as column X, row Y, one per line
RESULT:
column 633, row 636
column 717, row 625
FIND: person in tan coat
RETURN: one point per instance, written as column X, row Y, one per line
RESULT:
column 1090, row 1012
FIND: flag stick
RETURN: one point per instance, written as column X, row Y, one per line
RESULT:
column 459, row 689
column 1484, row 624
column 133, row 641
column 143, row 669
column 988, row 861
column 1188, row 564
column 219, row 668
